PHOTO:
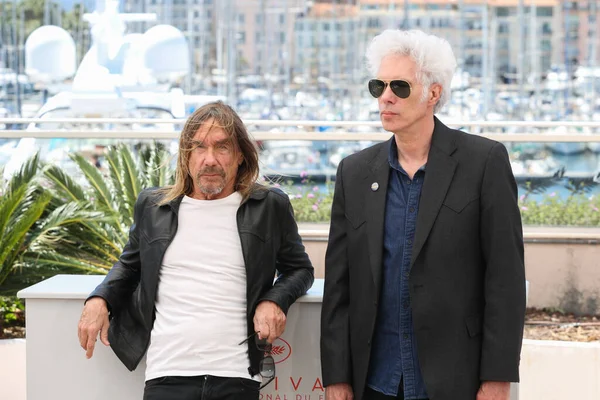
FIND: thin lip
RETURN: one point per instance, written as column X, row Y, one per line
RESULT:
column 388, row 113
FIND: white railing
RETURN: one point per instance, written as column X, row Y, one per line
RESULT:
column 304, row 131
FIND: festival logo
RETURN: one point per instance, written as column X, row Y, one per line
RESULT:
column 281, row 350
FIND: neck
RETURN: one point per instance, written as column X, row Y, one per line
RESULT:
column 414, row 143
column 200, row 195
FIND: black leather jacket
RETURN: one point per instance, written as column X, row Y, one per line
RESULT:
column 270, row 244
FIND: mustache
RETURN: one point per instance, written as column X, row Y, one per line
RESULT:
column 212, row 171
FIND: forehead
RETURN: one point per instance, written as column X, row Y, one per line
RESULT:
column 210, row 133
column 397, row 66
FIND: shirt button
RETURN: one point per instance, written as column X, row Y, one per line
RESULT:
column 405, row 336
column 412, row 209
column 405, row 305
column 409, row 241
column 408, row 182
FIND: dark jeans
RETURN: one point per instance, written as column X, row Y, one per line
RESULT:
column 205, row 387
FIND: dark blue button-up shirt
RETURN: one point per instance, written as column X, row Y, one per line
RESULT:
column 394, row 353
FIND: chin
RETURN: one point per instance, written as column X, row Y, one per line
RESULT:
column 392, row 126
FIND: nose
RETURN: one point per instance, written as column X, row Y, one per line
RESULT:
column 388, row 96
column 209, row 157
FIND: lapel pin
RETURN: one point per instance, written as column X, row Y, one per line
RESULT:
column 374, row 186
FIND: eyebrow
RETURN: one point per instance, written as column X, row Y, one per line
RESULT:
column 396, row 79
column 218, row 142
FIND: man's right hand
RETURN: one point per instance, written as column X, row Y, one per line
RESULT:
column 339, row 391
column 94, row 320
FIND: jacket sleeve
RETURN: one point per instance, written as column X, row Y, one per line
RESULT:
column 501, row 235
column 295, row 273
column 335, row 340
column 124, row 276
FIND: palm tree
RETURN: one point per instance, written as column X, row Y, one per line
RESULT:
column 50, row 223
column 22, row 203
column 89, row 225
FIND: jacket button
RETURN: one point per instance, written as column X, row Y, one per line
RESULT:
column 369, row 342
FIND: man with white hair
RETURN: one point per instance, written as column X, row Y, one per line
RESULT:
column 424, row 272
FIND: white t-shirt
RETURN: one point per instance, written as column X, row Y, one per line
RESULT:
column 201, row 298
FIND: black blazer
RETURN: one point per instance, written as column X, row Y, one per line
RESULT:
column 467, row 278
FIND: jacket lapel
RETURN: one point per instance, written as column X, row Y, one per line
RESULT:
column 438, row 176
column 378, row 174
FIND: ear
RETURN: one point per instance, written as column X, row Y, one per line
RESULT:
column 435, row 93
column 240, row 159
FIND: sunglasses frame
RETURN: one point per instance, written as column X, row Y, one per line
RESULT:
column 385, row 85
column 265, row 349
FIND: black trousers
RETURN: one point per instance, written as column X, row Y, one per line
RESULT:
column 205, row 387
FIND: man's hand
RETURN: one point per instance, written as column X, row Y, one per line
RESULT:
column 269, row 321
column 494, row 391
column 94, row 320
column 339, row 391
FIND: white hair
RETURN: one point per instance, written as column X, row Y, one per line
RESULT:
column 433, row 55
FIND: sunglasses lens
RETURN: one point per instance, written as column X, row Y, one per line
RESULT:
column 400, row 88
column 267, row 367
column 376, row 87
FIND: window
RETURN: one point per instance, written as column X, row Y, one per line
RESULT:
column 544, row 11
column 326, row 26
column 241, row 37
column 281, row 19
column 258, row 37
column 503, row 12
column 241, row 18
column 282, row 37
column 373, row 23
column 258, row 19
column 546, row 45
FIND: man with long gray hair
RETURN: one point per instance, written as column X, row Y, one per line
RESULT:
column 193, row 288
column 424, row 271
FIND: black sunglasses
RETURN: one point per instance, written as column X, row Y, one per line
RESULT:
column 267, row 364
column 399, row 87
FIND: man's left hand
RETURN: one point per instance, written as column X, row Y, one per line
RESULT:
column 494, row 391
column 269, row 321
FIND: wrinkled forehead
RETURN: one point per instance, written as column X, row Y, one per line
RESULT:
column 210, row 132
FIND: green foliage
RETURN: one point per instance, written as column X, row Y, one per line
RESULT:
column 72, row 227
column 309, row 202
column 22, row 203
column 577, row 210
column 11, row 313
column 90, row 226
